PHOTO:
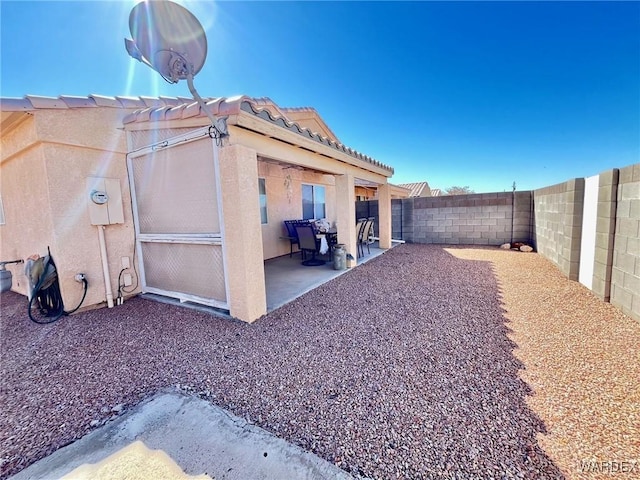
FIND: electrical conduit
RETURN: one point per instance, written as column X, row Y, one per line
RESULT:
column 105, row 266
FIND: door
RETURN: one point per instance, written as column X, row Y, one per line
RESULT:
column 179, row 241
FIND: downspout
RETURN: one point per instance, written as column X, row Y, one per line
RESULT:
column 105, row 266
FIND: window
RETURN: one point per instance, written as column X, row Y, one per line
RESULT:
column 262, row 190
column 313, row 205
column 1, row 211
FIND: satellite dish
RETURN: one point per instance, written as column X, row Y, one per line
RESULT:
column 168, row 38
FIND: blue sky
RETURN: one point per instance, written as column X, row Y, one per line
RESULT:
column 455, row 93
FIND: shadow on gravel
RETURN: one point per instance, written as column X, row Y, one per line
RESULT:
column 401, row 367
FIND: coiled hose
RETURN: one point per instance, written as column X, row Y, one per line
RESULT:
column 45, row 304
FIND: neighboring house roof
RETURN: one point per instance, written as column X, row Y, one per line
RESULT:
column 153, row 109
column 436, row 192
column 419, row 189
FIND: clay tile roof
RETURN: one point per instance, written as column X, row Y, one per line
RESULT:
column 35, row 102
column 153, row 109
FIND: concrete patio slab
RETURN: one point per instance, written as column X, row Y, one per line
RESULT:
column 198, row 436
column 287, row 279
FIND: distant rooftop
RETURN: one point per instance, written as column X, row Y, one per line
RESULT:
column 418, row 189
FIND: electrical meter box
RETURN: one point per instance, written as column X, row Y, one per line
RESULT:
column 104, row 198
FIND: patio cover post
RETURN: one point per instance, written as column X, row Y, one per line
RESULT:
column 242, row 233
column 384, row 215
column 346, row 214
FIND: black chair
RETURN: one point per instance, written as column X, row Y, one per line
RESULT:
column 292, row 236
column 309, row 243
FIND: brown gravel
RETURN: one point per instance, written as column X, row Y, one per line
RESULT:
column 402, row 368
column 582, row 360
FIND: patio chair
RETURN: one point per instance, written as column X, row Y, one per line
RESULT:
column 292, row 236
column 372, row 232
column 359, row 231
column 309, row 243
column 363, row 238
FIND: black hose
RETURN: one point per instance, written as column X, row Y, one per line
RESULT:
column 49, row 302
column 84, row 294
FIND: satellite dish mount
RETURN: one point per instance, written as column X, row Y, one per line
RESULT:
column 169, row 38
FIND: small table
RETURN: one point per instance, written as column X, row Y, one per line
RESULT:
column 331, row 237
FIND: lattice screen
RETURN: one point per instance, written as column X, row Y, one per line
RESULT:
column 186, row 268
column 175, row 190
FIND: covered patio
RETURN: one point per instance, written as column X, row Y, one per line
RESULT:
column 269, row 165
column 287, row 279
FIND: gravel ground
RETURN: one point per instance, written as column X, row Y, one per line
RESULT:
column 582, row 361
column 402, row 368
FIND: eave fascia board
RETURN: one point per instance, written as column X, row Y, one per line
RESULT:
column 252, row 122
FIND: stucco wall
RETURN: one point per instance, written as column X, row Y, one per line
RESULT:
column 28, row 227
column 285, row 203
column 44, row 168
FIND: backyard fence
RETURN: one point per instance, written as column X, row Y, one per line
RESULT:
column 589, row 228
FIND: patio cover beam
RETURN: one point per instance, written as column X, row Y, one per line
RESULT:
column 256, row 124
column 289, row 153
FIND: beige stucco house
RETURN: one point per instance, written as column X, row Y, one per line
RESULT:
column 114, row 182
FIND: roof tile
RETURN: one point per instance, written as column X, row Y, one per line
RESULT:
column 174, row 113
column 78, row 102
column 15, row 104
column 102, row 101
column 46, row 102
column 131, row 102
column 191, row 110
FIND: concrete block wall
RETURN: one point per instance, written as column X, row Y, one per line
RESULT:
column 625, row 274
column 557, row 226
column 401, row 216
column 605, row 232
column 523, row 217
column 476, row 219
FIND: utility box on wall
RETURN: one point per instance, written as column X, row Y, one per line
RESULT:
column 104, row 198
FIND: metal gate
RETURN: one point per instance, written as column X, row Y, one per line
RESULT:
column 178, row 224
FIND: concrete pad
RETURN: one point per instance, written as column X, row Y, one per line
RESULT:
column 200, row 437
column 134, row 461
